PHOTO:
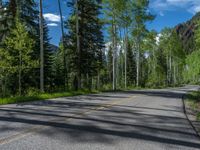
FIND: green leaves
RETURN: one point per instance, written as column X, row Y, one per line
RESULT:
column 18, row 43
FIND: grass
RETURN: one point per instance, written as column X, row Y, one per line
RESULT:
column 35, row 96
column 193, row 99
column 44, row 96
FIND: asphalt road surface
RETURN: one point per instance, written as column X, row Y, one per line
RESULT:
column 134, row 120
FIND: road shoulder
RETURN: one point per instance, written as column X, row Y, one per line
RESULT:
column 191, row 113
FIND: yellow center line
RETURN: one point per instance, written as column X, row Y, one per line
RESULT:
column 42, row 127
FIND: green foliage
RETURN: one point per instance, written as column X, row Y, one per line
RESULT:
column 193, row 100
column 87, row 62
column 133, row 57
column 192, row 69
column 18, row 44
column 131, row 66
column 16, row 56
column 45, row 96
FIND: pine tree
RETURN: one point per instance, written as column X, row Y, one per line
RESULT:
column 17, row 55
column 110, row 63
column 86, row 61
column 29, row 16
column 131, row 66
column 6, row 20
column 48, row 61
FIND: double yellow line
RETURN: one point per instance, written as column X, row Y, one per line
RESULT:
column 40, row 127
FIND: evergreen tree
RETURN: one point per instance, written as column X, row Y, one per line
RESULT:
column 48, row 60
column 131, row 66
column 86, row 62
column 6, row 20
column 110, row 63
column 17, row 55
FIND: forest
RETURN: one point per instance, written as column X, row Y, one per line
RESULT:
column 105, row 45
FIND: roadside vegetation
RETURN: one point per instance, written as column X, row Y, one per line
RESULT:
column 193, row 101
column 105, row 45
column 35, row 96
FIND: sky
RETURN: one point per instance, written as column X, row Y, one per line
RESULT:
column 168, row 13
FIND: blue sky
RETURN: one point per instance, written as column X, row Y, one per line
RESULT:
column 168, row 14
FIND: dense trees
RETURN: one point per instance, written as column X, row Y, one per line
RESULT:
column 16, row 56
column 105, row 44
column 84, row 58
column 192, row 68
column 21, row 17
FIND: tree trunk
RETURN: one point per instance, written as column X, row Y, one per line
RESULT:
column 114, row 55
column 138, row 63
column 41, row 49
column 125, row 56
column 64, row 49
column 20, row 73
column 78, row 46
column 98, row 80
column 170, row 68
column 174, row 74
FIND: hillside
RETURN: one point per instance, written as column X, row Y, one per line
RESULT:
column 186, row 32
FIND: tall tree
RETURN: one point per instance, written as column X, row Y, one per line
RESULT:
column 48, row 60
column 41, row 48
column 111, row 13
column 141, row 16
column 16, row 56
column 6, row 20
column 63, row 46
column 85, row 40
column 131, row 66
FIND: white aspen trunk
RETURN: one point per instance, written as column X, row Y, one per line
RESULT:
column 121, row 62
column 114, row 55
column 138, row 63
column 125, row 56
column 41, row 49
column 138, row 58
column 170, row 68
column 177, row 74
column 174, row 73
column 167, row 61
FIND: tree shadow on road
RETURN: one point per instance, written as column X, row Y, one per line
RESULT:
column 102, row 125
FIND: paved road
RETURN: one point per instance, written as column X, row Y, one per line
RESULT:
column 134, row 120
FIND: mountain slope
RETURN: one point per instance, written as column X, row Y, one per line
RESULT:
column 186, row 33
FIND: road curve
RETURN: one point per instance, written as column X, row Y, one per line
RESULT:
column 132, row 120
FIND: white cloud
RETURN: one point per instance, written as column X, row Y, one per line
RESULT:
column 192, row 6
column 161, row 13
column 51, row 17
column 52, row 24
